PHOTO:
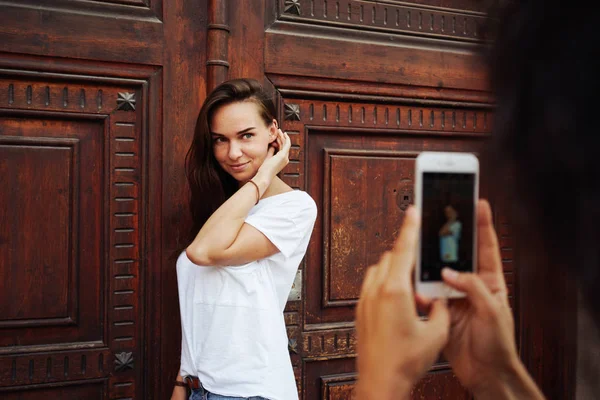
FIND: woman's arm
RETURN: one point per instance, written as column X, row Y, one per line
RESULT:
column 512, row 384
column 445, row 230
column 225, row 239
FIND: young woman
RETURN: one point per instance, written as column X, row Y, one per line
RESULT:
column 450, row 235
column 251, row 231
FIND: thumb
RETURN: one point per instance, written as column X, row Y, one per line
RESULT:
column 270, row 152
column 479, row 295
column 438, row 324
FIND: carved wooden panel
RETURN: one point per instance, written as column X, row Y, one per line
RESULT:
column 43, row 196
column 71, row 163
column 329, row 343
column 127, row 31
column 366, row 194
column 400, row 18
column 102, row 52
column 338, row 387
column 49, row 248
column 371, row 57
column 321, row 376
column 139, row 3
column 360, row 160
column 335, row 379
column 386, row 118
column 440, row 384
column 54, row 366
column 84, row 7
column 88, row 391
column 356, row 159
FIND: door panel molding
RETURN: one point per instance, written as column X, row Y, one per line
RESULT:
column 139, row 39
column 397, row 18
column 117, row 110
column 337, row 140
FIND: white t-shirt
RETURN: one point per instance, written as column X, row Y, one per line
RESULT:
column 233, row 332
column 449, row 243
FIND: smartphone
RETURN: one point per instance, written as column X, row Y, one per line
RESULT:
column 446, row 193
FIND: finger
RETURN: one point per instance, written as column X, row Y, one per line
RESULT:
column 366, row 281
column 383, row 267
column 365, row 294
column 438, row 324
column 423, row 302
column 488, row 249
column 287, row 142
column 477, row 292
column 270, row 152
column 405, row 249
column 278, row 139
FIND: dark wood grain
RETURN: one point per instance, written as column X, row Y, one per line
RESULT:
column 80, row 34
column 183, row 90
column 367, row 58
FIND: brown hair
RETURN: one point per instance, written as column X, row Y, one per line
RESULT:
column 210, row 186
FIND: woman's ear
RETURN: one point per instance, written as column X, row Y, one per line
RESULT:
column 273, row 131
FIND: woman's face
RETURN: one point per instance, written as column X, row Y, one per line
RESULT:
column 450, row 212
column 241, row 139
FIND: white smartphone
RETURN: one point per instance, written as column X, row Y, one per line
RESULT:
column 446, row 193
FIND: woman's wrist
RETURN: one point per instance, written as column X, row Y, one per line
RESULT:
column 263, row 181
column 513, row 382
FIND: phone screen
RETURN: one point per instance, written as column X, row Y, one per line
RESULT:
column 447, row 223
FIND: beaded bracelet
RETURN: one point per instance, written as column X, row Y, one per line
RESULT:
column 257, row 191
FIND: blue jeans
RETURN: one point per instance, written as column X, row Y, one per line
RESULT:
column 203, row 394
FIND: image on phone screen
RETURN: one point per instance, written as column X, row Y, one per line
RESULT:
column 447, row 223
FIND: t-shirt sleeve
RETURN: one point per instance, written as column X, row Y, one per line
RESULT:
column 286, row 223
column 456, row 228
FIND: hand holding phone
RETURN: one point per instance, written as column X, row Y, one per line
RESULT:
column 446, row 191
column 396, row 346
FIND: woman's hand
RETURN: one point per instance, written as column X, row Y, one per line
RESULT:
column 481, row 347
column 396, row 347
column 275, row 162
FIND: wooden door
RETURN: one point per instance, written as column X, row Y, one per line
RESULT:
column 362, row 87
column 97, row 104
column 98, row 101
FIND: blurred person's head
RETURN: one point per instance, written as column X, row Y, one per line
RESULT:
column 450, row 213
column 544, row 75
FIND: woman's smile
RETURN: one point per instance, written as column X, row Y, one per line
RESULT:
column 239, row 167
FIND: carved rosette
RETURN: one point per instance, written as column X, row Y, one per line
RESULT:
column 126, row 101
column 292, row 7
column 123, row 361
column 292, row 112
